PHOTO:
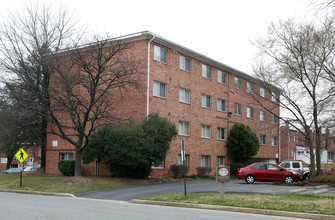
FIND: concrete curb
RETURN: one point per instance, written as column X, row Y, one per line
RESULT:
column 38, row 193
column 237, row 209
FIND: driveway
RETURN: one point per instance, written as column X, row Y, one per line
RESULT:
column 140, row 191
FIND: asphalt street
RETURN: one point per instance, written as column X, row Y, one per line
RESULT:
column 36, row 207
column 198, row 186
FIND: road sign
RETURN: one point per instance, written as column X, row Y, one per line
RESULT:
column 21, row 155
column 20, row 166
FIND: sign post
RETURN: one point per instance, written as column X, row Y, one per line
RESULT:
column 222, row 176
column 183, row 159
column 21, row 156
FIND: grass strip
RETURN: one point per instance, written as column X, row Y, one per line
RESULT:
column 282, row 202
column 62, row 184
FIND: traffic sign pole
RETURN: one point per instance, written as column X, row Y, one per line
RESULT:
column 21, row 156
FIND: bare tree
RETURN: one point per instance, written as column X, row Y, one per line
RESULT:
column 88, row 82
column 294, row 57
column 18, row 128
column 28, row 40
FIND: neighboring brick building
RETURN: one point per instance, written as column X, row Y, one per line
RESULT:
column 294, row 147
column 33, row 159
column 202, row 96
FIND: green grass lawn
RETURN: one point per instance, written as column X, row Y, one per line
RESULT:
column 283, row 202
column 62, row 184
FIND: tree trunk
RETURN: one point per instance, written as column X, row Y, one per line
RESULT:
column 318, row 155
column 77, row 171
column 9, row 161
column 311, row 151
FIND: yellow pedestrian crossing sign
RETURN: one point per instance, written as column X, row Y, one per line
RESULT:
column 21, row 155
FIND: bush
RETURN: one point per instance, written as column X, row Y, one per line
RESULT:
column 178, row 170
column 203, row 171
column 66, row 167
column 234, row 167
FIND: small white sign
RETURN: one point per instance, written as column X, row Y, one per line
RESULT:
column 54, row 143
column 3, row 160
column 20, row 166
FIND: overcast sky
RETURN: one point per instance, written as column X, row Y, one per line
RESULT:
column 220, row 29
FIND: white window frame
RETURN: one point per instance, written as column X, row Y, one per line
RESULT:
column 220, row 160
column 222, row 77
column 221, row 132
column 205, row 161
column 238, row 83
column 274, row 119
column 66, row 156
column 238, row 109
column 184, row 128
column 205, row 131
column 250, row 87
column 273, row 97
column 157, row 89
column 262, row 116
column 250, row 112
column 158, row 54
column 274, row 141
column 206, row 101
column 183, row 63
column 262, row 92
column 159, row 165
column 221, row 105
column 262, row 139
column 184, row 95
column 206, row 71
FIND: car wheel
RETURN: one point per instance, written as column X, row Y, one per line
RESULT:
column 289, row 179
column 250, row 179
column 306, row 176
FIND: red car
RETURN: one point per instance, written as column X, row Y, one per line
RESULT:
column 266, row 172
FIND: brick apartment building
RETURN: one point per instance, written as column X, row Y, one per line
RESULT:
column 202, row 96
column 33, row 159
column 294, row 147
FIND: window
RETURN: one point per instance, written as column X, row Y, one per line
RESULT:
column 184, row 128
column 250, row 87
column 263, row 141
column 159, row 54
column 273, row 167
column 159, row 89
column 184, row 95
column 185, row 64
column 273, row 97
column 205, row 160
column 274, row 141
column 206, row 71
column 238, row 83
column 262, row 116
column 238, row 109
column 206, row 101
column 221, row 133
column 158, row 165
column 259, row 167
column 66, row 156
column 220, row 161
column 295, row 164
column 205, row 131
column 221, row 105
column 221, row 77
column 180, row 162
column 262, row 92
column 273, row 119
column 250, row 112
